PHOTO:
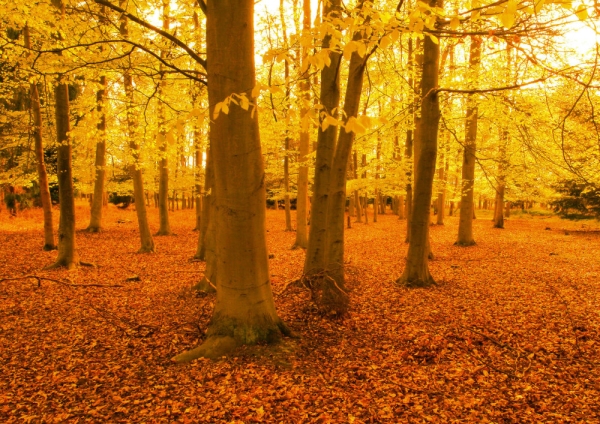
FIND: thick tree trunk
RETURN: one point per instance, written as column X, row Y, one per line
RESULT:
column 96, row 209
column 465, row 226
column 36, row 112
column 334, row 299
column 416, row 273
column 316, row 254
column 244, row 310
column 67, row 254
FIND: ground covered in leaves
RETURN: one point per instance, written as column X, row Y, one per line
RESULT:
column 510, row 333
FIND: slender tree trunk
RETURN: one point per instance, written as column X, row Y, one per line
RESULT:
column 416, row 272
column 441, row 200
column 408, row 146
column 67, row 254
column 356, row 193
column 207, row 209
column 96, row 210
column 163, row 182
column 147, row 242
column 244, row 309
column 286, row 158
column 465, row 226
column 198, row 185
column 302, row 199
column 45, row 198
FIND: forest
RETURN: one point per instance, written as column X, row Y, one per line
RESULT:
column 298, row 211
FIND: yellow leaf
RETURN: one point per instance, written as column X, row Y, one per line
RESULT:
column 454, row 23
column 256, row 90
column 582, row 12
column 170, row 138
column 244, row 102
column 225, row 108
column 538, row 5
column 349, row 49
column 385, row 42
column 218, row 107
column 434, row 38
column 361, row 49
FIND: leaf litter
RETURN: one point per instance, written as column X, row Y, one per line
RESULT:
column 509, row 334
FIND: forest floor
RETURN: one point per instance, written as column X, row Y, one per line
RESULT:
column 511, row 333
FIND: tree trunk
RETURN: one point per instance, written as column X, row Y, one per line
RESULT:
column 334, row 299
column 207, row 210
column 67, row 254
column 96, row 209
column 441, row 200
column 316, row 254
column 163, row 165
column 45, row 198
column 465, row 226
column 302, row 199
column 147, row 242
column 244, row 310
column 416, row 272
column 408, row 146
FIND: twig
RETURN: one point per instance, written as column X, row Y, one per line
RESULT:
column 64, row 283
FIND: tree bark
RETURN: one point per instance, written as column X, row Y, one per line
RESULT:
column 316, row 254
column 334, row 299
column 244, row 309
column 147, row 242
column 465, row 225
column 46, row 200
column 416, row 272
column 67, row 254
column 302, row 203
column 100, row 163
column 163, row 182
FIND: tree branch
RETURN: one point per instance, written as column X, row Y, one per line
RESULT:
column 145, row 24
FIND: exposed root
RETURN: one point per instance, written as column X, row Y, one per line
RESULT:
column 93, row 229
column 64, row 283
column 415, row 283
column 330, row 298
column 49, row 247
column 205, row 286
column 213, row 348
column 465, row 244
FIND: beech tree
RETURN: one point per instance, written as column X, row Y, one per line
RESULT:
column 244, row 310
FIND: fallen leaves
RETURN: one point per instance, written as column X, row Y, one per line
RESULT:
column 509, row 335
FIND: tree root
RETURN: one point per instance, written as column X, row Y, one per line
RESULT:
column 465, row 244
column 331, row 299
column 205, row 286
column 212, row 348
column 49, row 247
column 64, row 283
column 416, row 282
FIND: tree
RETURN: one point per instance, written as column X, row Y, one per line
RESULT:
column 244, row 310
column 67, row 254
column 465, row 226
column 416, row 273
column 39, row 154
